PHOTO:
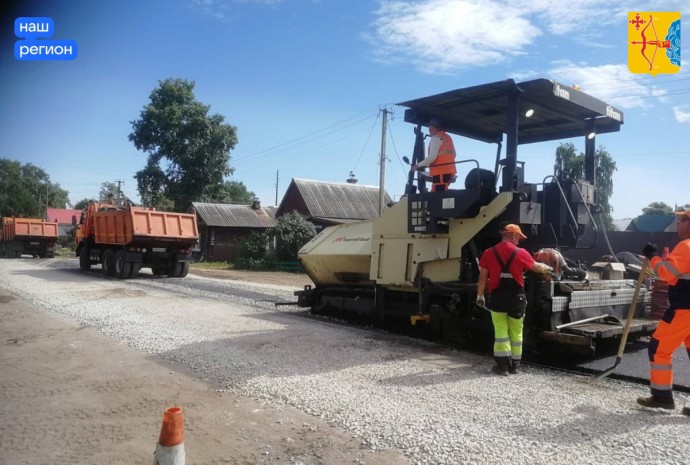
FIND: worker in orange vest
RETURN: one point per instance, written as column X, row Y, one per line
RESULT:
column 674, row 327
column 440, row 158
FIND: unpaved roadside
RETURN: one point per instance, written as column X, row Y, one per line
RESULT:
column 68, row 394
column 296, row 280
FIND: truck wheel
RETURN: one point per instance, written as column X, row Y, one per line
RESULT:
column 158, row 270
column 175, row 269
column 84, row 260
column 122, row 267
column 108, row 263
column 134, row 272
column 184, row 270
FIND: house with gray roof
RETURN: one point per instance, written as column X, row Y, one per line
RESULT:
column 222, row 227
column 653, row 223
column 329, row 203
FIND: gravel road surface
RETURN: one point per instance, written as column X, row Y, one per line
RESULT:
column 413, row 401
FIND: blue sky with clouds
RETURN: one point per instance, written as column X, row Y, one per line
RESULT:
column 304, row 80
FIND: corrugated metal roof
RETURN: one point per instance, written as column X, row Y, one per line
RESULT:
column 235, row 216
column 339, row 200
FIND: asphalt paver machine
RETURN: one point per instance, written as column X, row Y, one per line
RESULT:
column 418, row 262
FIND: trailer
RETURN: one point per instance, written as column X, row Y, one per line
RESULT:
column 125, row 238
column 27, row 236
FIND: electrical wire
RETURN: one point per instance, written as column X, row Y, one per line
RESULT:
column 311, row 136
column 367, row 141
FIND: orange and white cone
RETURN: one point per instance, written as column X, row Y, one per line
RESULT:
column 170, row 447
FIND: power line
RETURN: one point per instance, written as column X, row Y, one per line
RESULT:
column 395, row 148
column 263, row 163
column 367, row 141
column 311, row 135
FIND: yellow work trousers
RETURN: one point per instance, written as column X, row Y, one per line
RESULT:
column 507, row 335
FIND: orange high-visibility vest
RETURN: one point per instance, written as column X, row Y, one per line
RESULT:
column 446, row 154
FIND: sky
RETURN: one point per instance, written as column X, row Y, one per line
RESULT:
column 305, row 82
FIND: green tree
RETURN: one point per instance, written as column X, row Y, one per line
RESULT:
column 26, row 190
column 188, row 148
column 82, row 204
column 229, row 192
column 254, row 245
column 109, row 192
column 292, row 232
column 571, row 164
column 68, row 240
column 657, row 208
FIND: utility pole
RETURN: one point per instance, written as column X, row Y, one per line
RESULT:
column 382, row 175
column 277, row 171
column 119, row 188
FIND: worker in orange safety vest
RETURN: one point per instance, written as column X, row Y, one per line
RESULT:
column 674, row 327
column 440, row 158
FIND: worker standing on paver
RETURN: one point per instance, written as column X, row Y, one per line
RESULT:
column 502, row 266
column 674, row 327
column 440, row 158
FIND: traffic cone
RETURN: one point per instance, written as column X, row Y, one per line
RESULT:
column 170, row 447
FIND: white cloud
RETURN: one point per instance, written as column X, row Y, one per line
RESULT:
column 442, row 35
column 657, row 5
column 222, row 9
column 446, row 35
column 682, row 113
column 562, row 18
column 611, row 83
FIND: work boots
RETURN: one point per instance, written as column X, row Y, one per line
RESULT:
column 502, row 366
column 514, row 368
column 686, row 409
column 660, row 402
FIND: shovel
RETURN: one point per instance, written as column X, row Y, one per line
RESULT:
column 628, row 320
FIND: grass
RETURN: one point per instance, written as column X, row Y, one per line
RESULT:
column 212, row 265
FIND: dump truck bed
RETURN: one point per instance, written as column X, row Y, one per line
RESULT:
column 139, row 226
column 28, row 228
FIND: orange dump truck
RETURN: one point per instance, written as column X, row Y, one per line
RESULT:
column 27, row 236
column 124, row 239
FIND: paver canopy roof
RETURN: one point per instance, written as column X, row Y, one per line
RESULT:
column 481, row 112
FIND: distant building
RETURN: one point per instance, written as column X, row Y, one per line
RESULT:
column 66, row 219
column 329, row 203
column 653, row 223
column 222, row 227
column 622, row 224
